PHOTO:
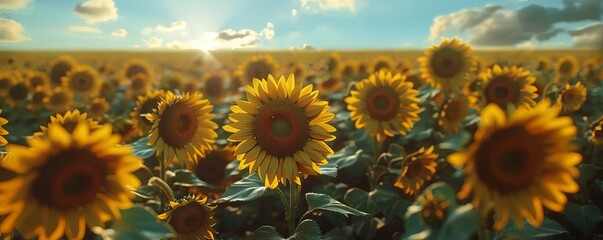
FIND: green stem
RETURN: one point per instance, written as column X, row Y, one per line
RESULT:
column 293, row 198
column 167, row 190
column 370, row 173
column 162, row 169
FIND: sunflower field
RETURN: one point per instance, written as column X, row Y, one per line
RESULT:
column 445, row 143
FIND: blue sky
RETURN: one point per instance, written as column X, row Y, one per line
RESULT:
column 264, row 24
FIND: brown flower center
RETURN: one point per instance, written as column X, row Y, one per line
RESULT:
column 82, row 82
column 178, row 125
column 5, row 83
column 18, row 92
column 59, row 99
column 383, row 103
column 258, row 69
column 502, row 90
column 566, row 67
column 281, row 128
column 188, row 218
column 434, row 212
column 136, row 69
column 211, row 169
column 447, row 62
column 214, row 86
column 381, row 65
column 58, row 71
column 36, row 81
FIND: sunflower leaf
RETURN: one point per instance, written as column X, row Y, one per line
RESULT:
column 187, row 178
column 147, row 192
column 246, row 189
column 584, row 217
column 451, row 229
column 266, row 233
column 307, row 230
column 319, row 201
column 548, row 230
column 329, row 169
column 137, row 223
column 141, row 149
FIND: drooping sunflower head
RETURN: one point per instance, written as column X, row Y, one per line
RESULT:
column 216, row 85
column 37, row 79
column 453, row 113
column 82, row 80
column 99, row 108
column 191, row 218
column 572, row 97
column 145, row 105
column 133, row 67
column 182, row 127
column 566, row 68
column 59, row 69
column 3, row 131
column 258, row 66
column 330, row 84
column 597, row 134
column 384, row 104
column 435, row 209
column 7, row 80
column 59, row 100
column 212, row 167
column 281, row 130
column 447, row 65
column 69, row 121
column 138, row 84
column 419, row 168
column 506, row 85
column 519, row 163
column 382, row 62
column 67, row 182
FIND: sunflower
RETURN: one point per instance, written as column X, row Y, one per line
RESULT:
column 211, row 168
column 504, row 86
column 98, row 108
column 37, row 79
column 419, row 168
column 333, row 62
column 447, row 65
column 404, row 67
column 145, row 105
column 190, row 86
column 384, row 104
column 541, row 79
column 17, row 93
column 416, row 80
column 349, row 69
column 299, row 71
column 382, row 62
column 69, row 121
column 182, row 127
column 7, row 80
column 330, row 84
column 258, row 66
column 82, row 81
column 172, row 81
column 565, row 69
column 139, row 84
column 453, row 113
column 59, row 100
column 192, row 218
column 216, row 85
column 133, row 67
column 37, row 98
column 281, row 130
column 519, row 163
column 59, row 69
column 544, row 64
column 592, row 73
column 434, row 209
column 67, row 182
column 3, row 131
column 597, row 134
column 572, row 97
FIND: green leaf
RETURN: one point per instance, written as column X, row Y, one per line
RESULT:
column 345, row 157
column 266, row 233
column 456, row 141
column 329, row 169
column 319, row 201
column 587, row 172
column 372, row 202
column 549, row 230
column 307, row 230
column 451, row 229
column 413, row 222
column 141, row 150
column 584, row 217
column 138, row 223
column 187, row 178
column 366, row 228
column 443, row 191
column 246, row 189
column 396, row 151
column 147, row 192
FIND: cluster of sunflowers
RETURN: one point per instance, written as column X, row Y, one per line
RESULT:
column 449, row 148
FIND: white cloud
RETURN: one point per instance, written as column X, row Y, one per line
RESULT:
column 590, row 36
column 11, row 31
column 329, row 4
column 154, row 42
column 230, row 38
column 120, row 33
column 13, row 4
column 294, row 12
column 268, row 32
column 84, row 29
column 177, row 45
column 146, row 31
column 305, row 47
column 174, row 26
column 94, row 11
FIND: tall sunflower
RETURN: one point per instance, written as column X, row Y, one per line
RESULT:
column 447, row 65
column 182, row 127
column 216, row 85
column 59, row 69
column 544, row 64
column 504, row 86
column 99, row 108
column 37, row 98
column 69, row 120
column 82, row 81
column 300, row 72
column 565, row 69
column 384, row 105
column 172, row 81
column 145, row 105
column 138, row 85
column 37, row 79
column 330, row 84
column 258, row 66
column 281, row 130
column 572, row 97
column 519, row 163
column 419, row 168
column 67, row 182
column 191, row 218
column 7, row 80
column 453, row 113
column 133, row 67
column 382, row 62
column 434, row 208
column 18, row 93
column 59, row 100
column 3, row 131
column 349, row 69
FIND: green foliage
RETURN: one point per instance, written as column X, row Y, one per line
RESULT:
column 584, row 217
column 141, row 149
column 137, row 223
column 246, row 189
column 187, row 178
column 319, row 201
column 306, row 230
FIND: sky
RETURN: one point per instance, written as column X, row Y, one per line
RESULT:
column 297, row 24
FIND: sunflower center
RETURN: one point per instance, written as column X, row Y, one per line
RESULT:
column 502, row 90
column 566, row 67
column 58, row 71
column 434, row 212
column 414, row 169
column 38, row 97
column 455, row 110
column 36, row 81
column 214, row 86
column 188, row 218
column 347, row 71
column 138, row 84
column 81, row 82
column 59, row 99
column 258, row 69
column 381, row 65
column 5, row 83
column 281, row 128
column 508, row 159
column 330, row 83
column 18, row 92
column 135, row 69
column 211, row 168
column 383, row 103
column 70, row 179
column 447, row 62
column 178, row 125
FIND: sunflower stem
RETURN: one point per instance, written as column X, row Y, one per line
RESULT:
column 290, row 214
column 167, row 190
column 371, row 174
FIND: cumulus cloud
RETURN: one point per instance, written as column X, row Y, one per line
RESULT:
column 84, row 29
column 294, row 12
column 329, row 4
column 146, row 31
column 174, row 26
column 120, row 33
column 305, row 47
column 177, row 45
column 11, row 31
column 230, row 38
column 496, row 26
column 94, row 11
column 13, row 4
column 154, row 42
column 590, row 36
